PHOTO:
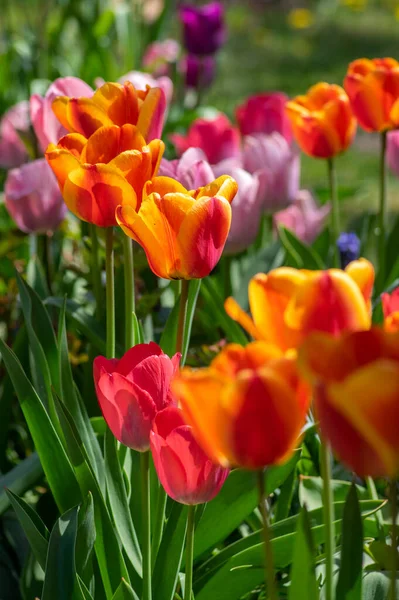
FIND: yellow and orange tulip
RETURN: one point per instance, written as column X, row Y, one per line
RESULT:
column 373, row 89
column 183, row 232
column 109, row 169
column 247, row 408
column 356, row 391
column 390, row 308
column 114, row 104
column 287, row 304
column 322, row 120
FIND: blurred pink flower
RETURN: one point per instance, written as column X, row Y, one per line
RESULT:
column 46, row 125
column 12, row 149
column 264, row 113
column 393, row 151
column 216, row 137
column 304, row 217
column 160, row 55
column 33, row 198
column 277, row 166
column 192, row 170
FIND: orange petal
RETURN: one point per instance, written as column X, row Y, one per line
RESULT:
column 234, row 358
column 163, row 186
column 80, row 115
column 152, row 113
column 236, row 313
column 119, row 102
column 362, row 272
column 62, row 162
column 223, row 186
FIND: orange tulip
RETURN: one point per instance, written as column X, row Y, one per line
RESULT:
column 183, row 233
column 322, row 120
column 114, row 104
column 107, row 170
column 390, row 308
column 356, row 387
column 247, row 408
column 373, row 89
column 287, row 304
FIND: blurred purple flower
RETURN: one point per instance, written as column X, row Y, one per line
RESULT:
column 393, row 151
column 204, row 28
column 160, row 55
column 303, row 217
column 47, row 127
column 199, row 71
column 12, row 149
column 277, row 166
column 33, row 198
column 349, row 248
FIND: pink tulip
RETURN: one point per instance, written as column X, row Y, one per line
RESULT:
column 46, row 125
column 303, row 217
column 33, row 198
column 132, row 390
column 277, row 166
column 160, row 55
column 393, row 151
column 12, row 149
column 192, row 170
column 264, row 113
column 186, row 473
column 216, row 137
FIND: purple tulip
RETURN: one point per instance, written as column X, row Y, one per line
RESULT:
column 33, row 198
column 303, row 217
column 204, row 29
column 277, row 166
column 192, row 170
column 393, row 151
column 46, row 125
column 12, row 149
column 199, row 71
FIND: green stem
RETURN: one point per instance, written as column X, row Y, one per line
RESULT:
column 110, row 291
column 269, row 563
column 146, row 515
column 129, row 291
column 96, row 271
column 378, row 516
column 226, row 272
column 382, row 217
column 188, row 586
column 335, row 226
column 328, row 505
column 394, row 538
column 182, row 315
column 159, row 524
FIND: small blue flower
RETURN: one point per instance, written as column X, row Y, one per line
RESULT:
column 349, row 248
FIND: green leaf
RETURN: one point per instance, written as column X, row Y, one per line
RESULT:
column 193, row 291
column 376, row 586
column 85, row 540
column 118, row 502
column 215, row 304
column 20, row 479
column 125, row 592
column 303, row 573
column 34, row 528
column 236, row 500
column 311, row 491
column 55, row 462
column 299, row 255
column 60, row 581
column 36, row 277
column 349, row 586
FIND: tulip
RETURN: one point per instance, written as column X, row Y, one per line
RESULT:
column 13, row 152
column 159, row 55
column 277, row 166
column 390, row 308
column 264, row 113
column 33, row 199
column 182, row 233
column 356, row 388
column 204, row 30
column 373, row 89
column 108, row 169
column 247, row 408
column 142, row 80
column 303, row 217
column 287, row 304
column 133, row 389
column 393, row 152
column 114, row 104
column 199, row 71
column 322, row 120
column 184, row 470
column 349, row 248
column 192, row 170
column 216, row 137
column 47, row 128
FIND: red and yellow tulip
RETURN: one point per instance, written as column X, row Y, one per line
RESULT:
column 109, row 169
column 322, row 120
column 390, row 308
column 373, row 89
column 247, row 408
column 356, row 391
column 287, row 304
column 183, row 232
column 114, row 104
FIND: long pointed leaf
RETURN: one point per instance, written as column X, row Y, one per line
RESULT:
column 349, row 586
column 303, row 572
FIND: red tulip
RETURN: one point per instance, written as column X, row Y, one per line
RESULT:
column 133, row 389
column 185, row 471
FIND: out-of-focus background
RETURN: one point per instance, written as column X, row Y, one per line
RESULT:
column 272, row 45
